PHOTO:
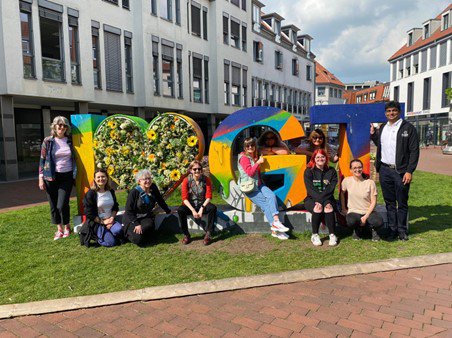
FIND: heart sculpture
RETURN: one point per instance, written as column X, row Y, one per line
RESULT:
column 126, row 144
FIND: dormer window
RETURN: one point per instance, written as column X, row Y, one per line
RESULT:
column 445, row 21
column 277, row 27
column 256, row 18
column 410, row 39
column 426, row 31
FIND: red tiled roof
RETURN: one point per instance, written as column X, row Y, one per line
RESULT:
column 350, row 96
column 437, row 34
column 323, row 75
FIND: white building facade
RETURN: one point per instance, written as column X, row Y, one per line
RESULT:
column 137, row 57
column 420, row 73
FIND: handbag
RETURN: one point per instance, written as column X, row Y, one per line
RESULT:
column 246, row 186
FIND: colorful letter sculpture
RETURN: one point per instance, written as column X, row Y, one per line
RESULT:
column 223, row 164
column 124, row 144
column 354, row 137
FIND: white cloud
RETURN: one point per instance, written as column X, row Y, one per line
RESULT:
column 355, row 38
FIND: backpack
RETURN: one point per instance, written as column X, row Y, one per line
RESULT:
column 88, row 233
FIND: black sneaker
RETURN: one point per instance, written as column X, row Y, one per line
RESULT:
column 375, row 237
column 392, row 236
column 355, row 236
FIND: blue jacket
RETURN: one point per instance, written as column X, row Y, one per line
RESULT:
column 47, row 161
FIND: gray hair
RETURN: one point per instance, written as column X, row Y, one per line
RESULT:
column 57, row 120
column 142, row 173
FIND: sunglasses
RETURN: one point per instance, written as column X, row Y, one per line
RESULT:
column 250, row 146
column 197, row 169
column 61, row 125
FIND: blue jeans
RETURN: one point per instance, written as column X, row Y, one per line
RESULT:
column 265, row 199
column 108, row 237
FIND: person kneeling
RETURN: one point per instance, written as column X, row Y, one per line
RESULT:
column 362, row 199
column 196, row 196
column 101, row 207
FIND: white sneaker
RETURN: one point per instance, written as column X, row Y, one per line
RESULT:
column 280, row 235
column 278, row 226
column 333, row 240
column 315, row 239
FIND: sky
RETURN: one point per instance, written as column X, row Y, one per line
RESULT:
column 353, row 39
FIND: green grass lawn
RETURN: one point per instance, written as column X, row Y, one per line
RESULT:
column 34, row 267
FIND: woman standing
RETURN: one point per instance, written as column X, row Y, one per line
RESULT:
column 57, row 171
column 196, row 196
column 362, row 199
column 261, row 195
column 138, row 218
column 101, row 207
column 316, row 140
column 320, row 181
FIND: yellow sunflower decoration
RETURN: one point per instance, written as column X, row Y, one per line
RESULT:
column 192, row 141
column 151, row 157
column 152, row 135
column 175, row 175
column 110, row 170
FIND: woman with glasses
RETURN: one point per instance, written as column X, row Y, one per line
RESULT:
column 320, row 181
column 362, row 199
column 316, row 140
column 196, row 196
column 57, row 171
column 138, row 217
column 270, row 143
column 249, row 167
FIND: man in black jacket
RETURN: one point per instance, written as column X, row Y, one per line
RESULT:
column 397, row 156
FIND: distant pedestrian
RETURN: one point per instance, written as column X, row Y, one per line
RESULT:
column 397, row 157
column 57, row 170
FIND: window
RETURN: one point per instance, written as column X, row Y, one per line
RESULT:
column 265, row 94
column 446, row 84
column 129, row 63
column 166, row 9
column 236, row 2
column 426, row 31
column 244, row 37
column 339, row 93
column 426, row 96
column 408, row 66
column 113, row 69
column 206, row 80
column 278, row 59
column 204, row 23
column 167, row 69
column 177, row 3
column 442, row 54
column 179, row 71
column 416, row 63
column 400, row 69
column 372, row 95
column 277, row 27
column 244, row 4
column 225, row 29
column 396, row 93
column 125, row 4
column 433, row 57
column 27, row 41
column 74, row 49
column 394, row 71
column 226, row 84
column 308, row 73
column 335, row 92
column 197, row 79
column 155, row 65
column 50, row 24
column 410, row 39
column 410, row 92
column 235, row 85
column 244, row 86
column 195, row 19
column 96, row 57
column 445, row 21
column 365, row 97
column 258, row 51
column 424, row 60
column 321, row 91
column 235, row 33
column 112, row 1
column 154, row 7
column 295, row 67
column 256, row 17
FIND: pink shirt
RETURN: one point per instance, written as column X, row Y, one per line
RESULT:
column 62, row 155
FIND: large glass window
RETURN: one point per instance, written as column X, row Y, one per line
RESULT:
column 177, row 2
column 321, row 91
column 410, row 97
column 179, row 73
column 165, row 9
column 278, row 59
column 27, row 40
column 308, row 72
column 155, row 67
column 244, row 87
column 226, row 84
column 167, row 71
column 426, row 96
column 51, row 45
column 295, row 67
column 96, row 58
column 196, row 19
column 235, row 90
column 129, row 64
column 197, row 79
column 206, row 81
column 243, row 37
column 225, row 30
column 74, row 49
column 204, row 23
column 235, row 34
column 113, row 66
column 154, row 7
column 258, row 51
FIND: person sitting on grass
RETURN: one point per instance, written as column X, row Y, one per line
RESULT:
column 101, row 207
column 196, row 196
column 320, row 181
column 249, row 168
column 362, row 199
column 138, row 217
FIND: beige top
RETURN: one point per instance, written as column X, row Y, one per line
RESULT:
column 359, row 194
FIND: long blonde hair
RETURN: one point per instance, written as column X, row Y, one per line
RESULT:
column 57, row 120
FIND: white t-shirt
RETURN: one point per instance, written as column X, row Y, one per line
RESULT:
column 389, row 142
column 104, row 204
column 359, row 194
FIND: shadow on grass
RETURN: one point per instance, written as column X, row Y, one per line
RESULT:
column 431, row 217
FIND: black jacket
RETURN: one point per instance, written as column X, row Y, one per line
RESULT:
column 136, row 209
column 407, row 148
column 320, row 184
column 90, row 204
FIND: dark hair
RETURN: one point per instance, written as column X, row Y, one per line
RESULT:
column 317, row 133
column 94, row 184
column 364, row 175
column 248, row 141
column 311, row 163
column 393, row 104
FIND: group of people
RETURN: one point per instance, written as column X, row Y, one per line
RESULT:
column 397, row 156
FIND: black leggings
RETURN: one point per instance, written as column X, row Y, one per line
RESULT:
column 58, row 193
column 374, row 221
column 147, row 228
column 183, row 211
column 330, row 221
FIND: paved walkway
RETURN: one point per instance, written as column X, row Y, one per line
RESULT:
column 413, row 302
column 433, row 160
